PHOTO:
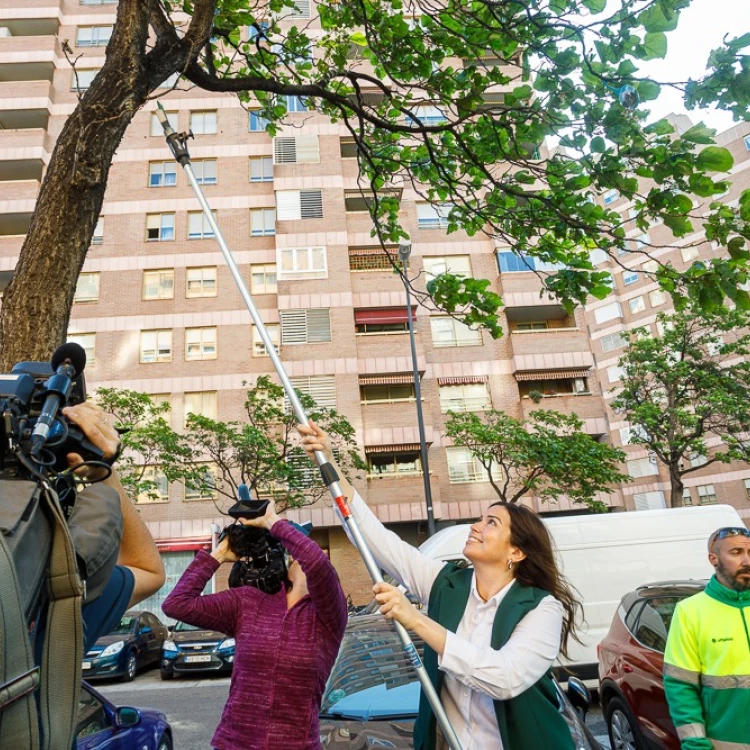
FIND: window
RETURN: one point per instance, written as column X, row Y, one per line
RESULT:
column 202, row 403
column 305, row 326
column 259, row 348
column 348, row 148
column 198, row 226
column 321, row 388
column 637, row 305
column 451, row 332
column 641, row 467
column 649, row 500
column 457, row 265
column 301, row 149
column 299, row 204
column 706, row 494
column 200, row 343
column 386, row 393
column 654, row 621
column 88, row 342
column 158, row 284
column 556, row 387
column 87, row 287
column 204, row 488
column 98, row 236
column 697, row 460
column 657, row 297
column 93, row 36
column 261, row 170
column 650, row 266
column 610, row 197
column 509, row 262
column 629, row 277
column 433, row 217
column 396, row 463
column 689, row 253
column 538, row 325
column 159, row 227
column 747, row 142
column 612, row 341
column 263, row 278
column 157, row 489
column 370, row 259
column 156, row 346
column 162, row 174
column 382, row 320
column 747, row 488
column 200, row 282
column 157, row 129
column 302, row 262
column 203, row 123
column 295, row 104
column 687, row 498
column 205, row 171
column 82, row 79
column 615, row 373
column 608, row 312
column 429, row 115
column 256, row 122
column 463, row 466
column 464, row 397
column 92, row 717
column 301, row 10
column 262, row 222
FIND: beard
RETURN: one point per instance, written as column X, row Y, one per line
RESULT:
column 733, row 580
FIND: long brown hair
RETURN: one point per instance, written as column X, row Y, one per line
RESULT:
column 539, row 567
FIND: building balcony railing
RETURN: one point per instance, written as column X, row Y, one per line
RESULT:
column 21, row 190
column 29, row 144
column 557, row 340
column 25, row 95
column 34, row 48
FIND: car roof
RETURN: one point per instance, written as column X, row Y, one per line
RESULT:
column 672, row 588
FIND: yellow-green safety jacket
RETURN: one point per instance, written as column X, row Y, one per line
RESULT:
column 707, row 669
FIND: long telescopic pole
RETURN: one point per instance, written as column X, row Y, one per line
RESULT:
column 177, row 143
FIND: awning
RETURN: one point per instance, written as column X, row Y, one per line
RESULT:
column 183, row 544
column 384, row 315
column 399, row 448
column 553, row 374
column 400, row 379
column 463, row 380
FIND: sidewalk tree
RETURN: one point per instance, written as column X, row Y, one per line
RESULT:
column 453, row 99
column 262, row 451
column 686, row 392
column 547, row 454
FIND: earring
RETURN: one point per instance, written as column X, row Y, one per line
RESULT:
column 510, row 564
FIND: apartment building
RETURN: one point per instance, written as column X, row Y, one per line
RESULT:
column 157, row 310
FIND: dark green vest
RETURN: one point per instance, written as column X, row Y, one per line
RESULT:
column 529, row 721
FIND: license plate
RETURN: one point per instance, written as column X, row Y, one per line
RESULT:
column 198, row 657
column 87, row 665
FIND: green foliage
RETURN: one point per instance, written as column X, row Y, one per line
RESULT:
column 687, row 387
column 548, row 454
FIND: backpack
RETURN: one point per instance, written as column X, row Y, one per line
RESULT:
column 48, row 561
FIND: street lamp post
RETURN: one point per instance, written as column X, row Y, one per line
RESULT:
column 404, row 251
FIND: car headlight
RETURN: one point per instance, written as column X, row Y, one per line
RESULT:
column 113, row 648
column 226, row 643
column 170, row 646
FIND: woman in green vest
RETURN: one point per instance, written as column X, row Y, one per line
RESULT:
column 493, row 630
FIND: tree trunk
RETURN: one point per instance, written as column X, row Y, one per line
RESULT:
column 676, row 488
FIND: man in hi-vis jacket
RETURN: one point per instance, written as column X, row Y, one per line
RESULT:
column 707, row 659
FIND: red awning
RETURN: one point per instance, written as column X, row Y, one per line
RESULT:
column 399, row 379
column 384, row 315
column 553, row 374
column 183, row 544
column 399, row 448
column 463, row 380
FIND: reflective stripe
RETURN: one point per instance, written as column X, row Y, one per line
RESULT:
column 722, row 745
column 726, row 682
column 691, row 731
column 683, row 675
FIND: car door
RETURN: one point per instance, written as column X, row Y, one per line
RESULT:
column 146, row 638
column 94, row 727
column 160, row 635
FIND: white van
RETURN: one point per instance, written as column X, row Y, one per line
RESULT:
column 607, row 555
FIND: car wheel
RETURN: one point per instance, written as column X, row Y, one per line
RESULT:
column 165, row 674
column 623, row 731
column 165, row 742
column 131, row 667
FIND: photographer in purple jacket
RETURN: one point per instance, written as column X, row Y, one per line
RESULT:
column 285, row 642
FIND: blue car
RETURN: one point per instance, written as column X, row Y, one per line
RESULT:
column 101, row 724
column 191, row 650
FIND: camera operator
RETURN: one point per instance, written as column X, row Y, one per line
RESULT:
column 139, row 571
column 286, row 642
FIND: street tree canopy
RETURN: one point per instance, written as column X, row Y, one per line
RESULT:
column 547, row 454
column 454, row 99
column 686, row 392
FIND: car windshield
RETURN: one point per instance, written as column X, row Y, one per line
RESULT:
column 372, row 677
column 125, row 626
column 181, row 627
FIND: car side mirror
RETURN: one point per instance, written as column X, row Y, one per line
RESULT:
column 579, row 696
column 127, row 717
column 145, row 629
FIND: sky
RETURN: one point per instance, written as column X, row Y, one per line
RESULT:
column 701, row 29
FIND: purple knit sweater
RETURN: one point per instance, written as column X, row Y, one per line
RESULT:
column 282, row 656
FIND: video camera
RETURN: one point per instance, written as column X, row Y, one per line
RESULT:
column 34, row 437
column 261, row 562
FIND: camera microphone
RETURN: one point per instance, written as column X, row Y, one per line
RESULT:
column 68, row 362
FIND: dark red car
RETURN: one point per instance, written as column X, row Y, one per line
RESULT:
column 631, row 659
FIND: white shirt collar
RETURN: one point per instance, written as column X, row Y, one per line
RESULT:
column 494, row 600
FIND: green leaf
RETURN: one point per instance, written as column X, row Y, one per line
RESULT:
column 598, row 145
column 715, row 159
column 737, row 247
column 595, row 6
column 647, row 90
column 358, row 38
column 655, row 46
column 699, row 134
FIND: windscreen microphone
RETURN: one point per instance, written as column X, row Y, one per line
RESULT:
column 68, row 362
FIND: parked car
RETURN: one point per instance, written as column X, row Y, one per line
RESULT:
column 631, row 659
column 135, row 643
column 372, row 696
column 189, row 650
column 101, row 724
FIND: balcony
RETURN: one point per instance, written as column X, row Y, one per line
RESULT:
column 20, row 190
column 17, row 98
column 30, row 48
column 14, row 224
column 28, row 26
column 589, row 407
column 549, row 341
column 23, row 145
column 41, row 70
